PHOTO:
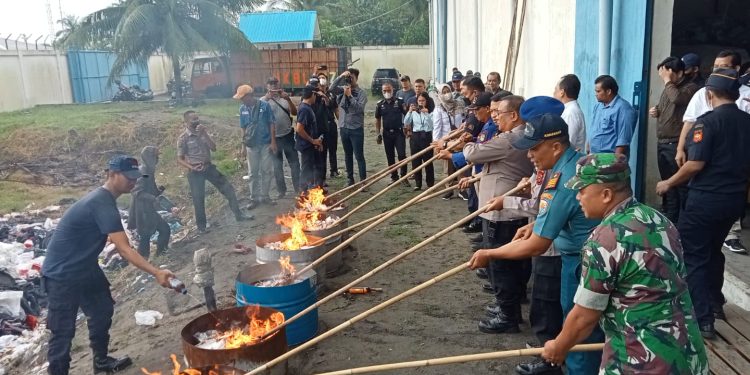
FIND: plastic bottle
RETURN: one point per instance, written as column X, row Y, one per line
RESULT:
column 28, row 244
column 363, row 290
column 177, row 285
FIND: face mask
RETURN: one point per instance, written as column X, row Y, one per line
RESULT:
column 195, row 123
column 387, row 95
column 447, row 96
column 323, row 81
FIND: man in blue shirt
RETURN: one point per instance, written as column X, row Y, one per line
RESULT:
column 309, row 143
column 259, row 136
column 614, row 119
column 72, row 276
column 560, row 221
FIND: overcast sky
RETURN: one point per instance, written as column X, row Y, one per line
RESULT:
column 30, row 16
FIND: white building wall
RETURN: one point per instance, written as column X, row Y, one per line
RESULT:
column 479, row 32
column 413, row 61
column 33, row 77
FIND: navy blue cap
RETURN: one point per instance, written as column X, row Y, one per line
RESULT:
column 540, row 105
column 126, row 165
column 483, row 99
column 314, row 81
column 723, row 79
column 539, row 129
column 457, row 76
column 691, row 60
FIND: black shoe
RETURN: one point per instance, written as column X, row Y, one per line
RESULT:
column 472, row 228
column 719, row 313
column 335, row 174
column 417, row 188
column 707, row 331
column 499, row 324
column 350, row 182
column 735, row 246
column 538, row 367
column 447, row 196
column 492, row 310
column 243, row 217
column 487, row 288
column 482, row 273
column 109, row 364
column 463, row 195
column 477, row 239
column 268, row 201
column 253, row 204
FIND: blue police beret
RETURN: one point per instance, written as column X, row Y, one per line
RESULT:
column 540, row 105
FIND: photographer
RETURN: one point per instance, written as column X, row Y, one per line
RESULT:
column 418, row 128
column 331, row 139
column 283, row 109
column 351, row 101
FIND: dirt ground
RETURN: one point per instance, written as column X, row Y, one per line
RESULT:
column 439, row 321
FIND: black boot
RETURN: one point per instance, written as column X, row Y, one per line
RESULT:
column 110, row 365
column 708, row 331
column 502, row 323
column 538, row 367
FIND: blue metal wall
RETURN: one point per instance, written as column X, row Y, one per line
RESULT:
column 89, row 72
column 631, row 33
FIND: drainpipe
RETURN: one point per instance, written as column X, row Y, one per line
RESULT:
column 605, row 35
column 442, row 40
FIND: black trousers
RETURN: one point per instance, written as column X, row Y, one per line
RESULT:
column 162, row 241
column 197, row 181
column 92, row 295
column 545, row 311
column 473, row 202
column 330, row 144
column 313, row 168
column 507, row 277
column 285, row 145
column 703, row 226
column 672, row 202
column 418, row 142
column 394, row 143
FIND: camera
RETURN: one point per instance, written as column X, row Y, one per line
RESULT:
column 348, row 80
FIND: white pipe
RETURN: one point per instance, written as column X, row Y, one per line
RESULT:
column 605, row 35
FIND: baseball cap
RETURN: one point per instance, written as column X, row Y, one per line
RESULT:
column 469, row 73
column 484, row 99
column 539, row 105
column 477, row 74
column 405, row 78
column 457, row 76
column 599, row 169
column 126, row 165
column 243, row 90
column 308, row 90
column 723, row 79
column 272, row 79
column 313, row 81
column 691, row 60
column 539, row 129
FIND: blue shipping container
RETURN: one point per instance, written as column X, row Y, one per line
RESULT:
column 89, row 72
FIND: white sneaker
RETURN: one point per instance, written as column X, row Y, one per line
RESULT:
column 735, row 245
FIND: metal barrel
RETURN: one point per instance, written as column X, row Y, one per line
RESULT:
column 246, row 357
column 299, row 258
column 336, row 261
column 289, row 299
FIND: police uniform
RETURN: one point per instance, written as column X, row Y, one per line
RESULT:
column 391, row 113
column 561, row 220
column 716, row 198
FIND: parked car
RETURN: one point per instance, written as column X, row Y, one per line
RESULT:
column 383, row 75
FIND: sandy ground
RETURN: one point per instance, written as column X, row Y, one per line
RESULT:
column 439, row 321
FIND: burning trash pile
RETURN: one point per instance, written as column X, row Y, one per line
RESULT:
column 316, row 201
column 211, row 370
column 239, row 334
column 307, row 221
column 309, row 217
column 284, row 278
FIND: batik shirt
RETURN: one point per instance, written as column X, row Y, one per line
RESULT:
column 633, row 271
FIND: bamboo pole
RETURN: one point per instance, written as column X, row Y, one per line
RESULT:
column 459, row 359
column 378, row 216
column 388, row 263
column 394, row 211
column 363, row 315
column 362, row 205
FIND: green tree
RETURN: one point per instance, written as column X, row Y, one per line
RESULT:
column 69, row 24
column 136, row 29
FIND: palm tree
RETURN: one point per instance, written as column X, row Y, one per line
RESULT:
column 325, row 8
column 137, row 29
column 69, row 24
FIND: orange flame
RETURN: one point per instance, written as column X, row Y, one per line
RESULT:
column 187, row 371
column 251, row 334
column 313, row 201
column 286, row 266
column 297, row 238
column 309, row 220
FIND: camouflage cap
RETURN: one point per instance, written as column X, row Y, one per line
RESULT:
column 599, row 169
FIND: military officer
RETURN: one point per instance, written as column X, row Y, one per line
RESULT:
column 560, row 221
column 632, row 281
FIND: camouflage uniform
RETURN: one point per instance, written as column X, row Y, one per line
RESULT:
column 633, row 271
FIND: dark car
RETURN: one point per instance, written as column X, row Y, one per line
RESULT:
column 384, row 75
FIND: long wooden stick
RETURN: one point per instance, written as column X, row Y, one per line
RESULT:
column 459, row 359
column 394, row 211
column 378, row 216
column 359, row 317
column 389, row 262
column 362, row 205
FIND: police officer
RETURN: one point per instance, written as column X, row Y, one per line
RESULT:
column 717, row 172
column 389, row 123
column 73, row 278
column 560, row 221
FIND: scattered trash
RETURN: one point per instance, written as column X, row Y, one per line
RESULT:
column 147, row 317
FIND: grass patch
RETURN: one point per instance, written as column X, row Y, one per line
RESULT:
column 70, row 116
column 401, row 233
column 18, row 196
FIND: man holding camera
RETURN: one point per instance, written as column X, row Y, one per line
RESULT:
column 309, row 142
column 351, row 100
column 283, row 109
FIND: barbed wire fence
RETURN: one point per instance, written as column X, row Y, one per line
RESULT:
column 26, row 42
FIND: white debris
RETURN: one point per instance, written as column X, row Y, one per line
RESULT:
column 210, row 340
column 147, row 317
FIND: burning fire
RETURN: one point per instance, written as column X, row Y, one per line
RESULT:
column 176, row 370
column 251, row 333
column 296, row 223
column 313, row 201
column 286, row 266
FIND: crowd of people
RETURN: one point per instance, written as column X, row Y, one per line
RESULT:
column 605, row 267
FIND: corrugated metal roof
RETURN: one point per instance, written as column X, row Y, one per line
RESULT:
column 280, row 27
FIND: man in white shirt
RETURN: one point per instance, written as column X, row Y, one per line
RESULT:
column 566, row 91
column 698, row 106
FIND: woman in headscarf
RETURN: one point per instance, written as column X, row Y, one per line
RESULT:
column 446, row 117
column 144, row 206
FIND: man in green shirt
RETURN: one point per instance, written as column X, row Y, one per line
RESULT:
column 632, row 281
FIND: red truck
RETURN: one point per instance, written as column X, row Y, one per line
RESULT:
column 293, row 67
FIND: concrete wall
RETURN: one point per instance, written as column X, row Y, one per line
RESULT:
column 414, row 61
column 30, row 78
column 479, row 34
